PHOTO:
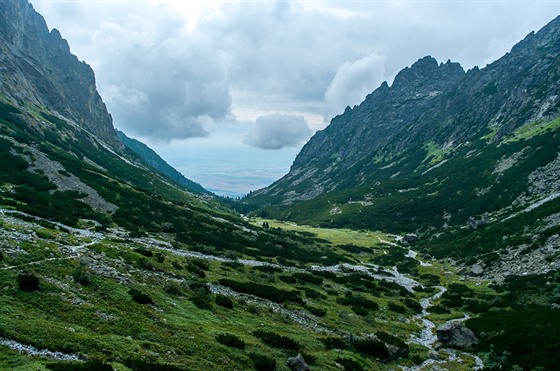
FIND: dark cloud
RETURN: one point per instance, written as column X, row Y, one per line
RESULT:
column 278, row 131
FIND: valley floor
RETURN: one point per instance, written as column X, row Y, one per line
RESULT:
column 152, row 303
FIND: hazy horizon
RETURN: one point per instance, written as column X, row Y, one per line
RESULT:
column 205, row 83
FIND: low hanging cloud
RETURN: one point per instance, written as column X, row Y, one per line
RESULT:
column 354, row 80
column 276, row 131
column 159, row 81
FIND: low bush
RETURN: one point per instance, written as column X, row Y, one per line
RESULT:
column 397, row 308
column 200, row 295
column 263, row 291
column 143, row 251
column 357, row 301
column 319, row 312
column 173, row 288
column 139, row 297
column 230, row 340
column 333, row 342
column 81, row 275
column 28, row 282
column 92, row 365
column 262, row 362
column 371, row 347
column 224, row 301
column 349, row 364
column 277, row 341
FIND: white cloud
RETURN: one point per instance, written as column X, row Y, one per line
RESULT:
column 166, row 68
column 277, row 131
column 354, row 80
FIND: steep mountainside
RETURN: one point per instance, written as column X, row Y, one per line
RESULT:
column 153, row 160
column 464, row 158
column 38, row 68
column 105, row 264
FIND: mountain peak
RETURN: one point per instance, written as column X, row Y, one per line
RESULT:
column 39, row 68
column 427, row 72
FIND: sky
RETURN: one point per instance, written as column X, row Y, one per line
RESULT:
column 228, row 92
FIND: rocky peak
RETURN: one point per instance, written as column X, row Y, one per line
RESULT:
column 425, row 76
column 38, row 67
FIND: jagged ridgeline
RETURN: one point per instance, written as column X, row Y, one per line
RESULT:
column 471, row 157
column 106, row 263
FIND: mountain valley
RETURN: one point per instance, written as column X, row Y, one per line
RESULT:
column 418, row 231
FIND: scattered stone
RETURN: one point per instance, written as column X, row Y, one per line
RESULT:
column 477, row 269
column 453, row 334
column 297, row 363
column 433, row 354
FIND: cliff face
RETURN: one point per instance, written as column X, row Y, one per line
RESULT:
column 37, row 66
column 433, row 104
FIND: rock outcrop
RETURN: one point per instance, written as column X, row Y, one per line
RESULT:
column 455, row 335
column 298, row 363
column 427, row 103
column 37, row 67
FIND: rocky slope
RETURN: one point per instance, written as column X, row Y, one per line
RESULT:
column 463, row 158
column 428, row 103
column 38, row 68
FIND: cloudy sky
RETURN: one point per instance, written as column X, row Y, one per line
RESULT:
column 229, row 91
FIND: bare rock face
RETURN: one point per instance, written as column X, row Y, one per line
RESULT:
column 455, row 335
column 38, row 67
column 428, row 102
column 297, row 363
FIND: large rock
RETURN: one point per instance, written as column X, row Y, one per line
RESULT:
column 410, row 238
column 297, row 363
column 455, row 335
column 396, row 352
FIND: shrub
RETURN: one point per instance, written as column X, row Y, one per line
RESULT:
column 224, row 301
column 397, row 308
column 139, row 297
column 319, row 312
column 349, row 364
column 199, row 263
column 287, row 278
column 173, row 288
column 28, row 282
column 371, row 347
column 310, row 293
column 333, row 342
column 200, row 295
column 81, row 275
column 264, row 291
column 277, row 341
column 360, row 311
column 93, row 365
column 357, row 301
column 262, row 362
column 144, row 365
column 143, row 251
column 267, row 269
column 230, row 340
column 390, row 339
column 310, row 278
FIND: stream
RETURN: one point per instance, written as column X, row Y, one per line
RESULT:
column 427, row 336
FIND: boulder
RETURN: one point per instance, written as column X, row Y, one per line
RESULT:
column 433, row 354
column 410, row 238
column 396, row 352
column 477, row 269
column 455, row 335
column 297, row 363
